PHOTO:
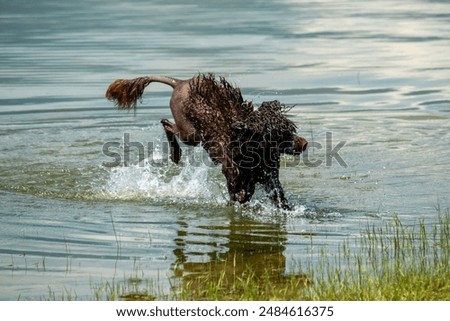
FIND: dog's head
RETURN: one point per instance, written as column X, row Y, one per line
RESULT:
column 295, row 146
column 254, row 153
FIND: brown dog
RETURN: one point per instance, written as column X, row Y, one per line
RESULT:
column 246, row 141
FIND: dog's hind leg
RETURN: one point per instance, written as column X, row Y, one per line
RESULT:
column 171, row 130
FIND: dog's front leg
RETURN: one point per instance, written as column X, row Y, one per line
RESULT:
column 171, row 130
column 272, row 186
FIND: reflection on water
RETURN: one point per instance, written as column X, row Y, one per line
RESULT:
column 374, row 75
column 242, row 242
column 236, row 249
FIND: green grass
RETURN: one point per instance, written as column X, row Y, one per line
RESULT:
column 392, row 262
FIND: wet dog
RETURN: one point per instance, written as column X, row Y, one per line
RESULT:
column 247, row 141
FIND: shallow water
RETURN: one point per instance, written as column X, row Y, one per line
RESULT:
column 372, row 77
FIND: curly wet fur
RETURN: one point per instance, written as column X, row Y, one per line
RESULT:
column 247, row 141
column 268, row 122
column 214, row 105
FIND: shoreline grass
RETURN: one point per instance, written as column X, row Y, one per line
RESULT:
column 395, row 262
column 389, row 263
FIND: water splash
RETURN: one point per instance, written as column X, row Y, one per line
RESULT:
column 188, row 183
column 192, row 183
column 260, row 208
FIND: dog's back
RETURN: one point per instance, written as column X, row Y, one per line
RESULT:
column 213, row 106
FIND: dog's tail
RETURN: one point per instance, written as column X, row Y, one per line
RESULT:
column 126, row 92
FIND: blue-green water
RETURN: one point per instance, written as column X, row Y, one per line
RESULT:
column 374, row 77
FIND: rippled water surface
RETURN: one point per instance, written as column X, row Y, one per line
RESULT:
column 371, row 87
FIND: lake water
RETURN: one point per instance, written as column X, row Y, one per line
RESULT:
column 370, row 81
